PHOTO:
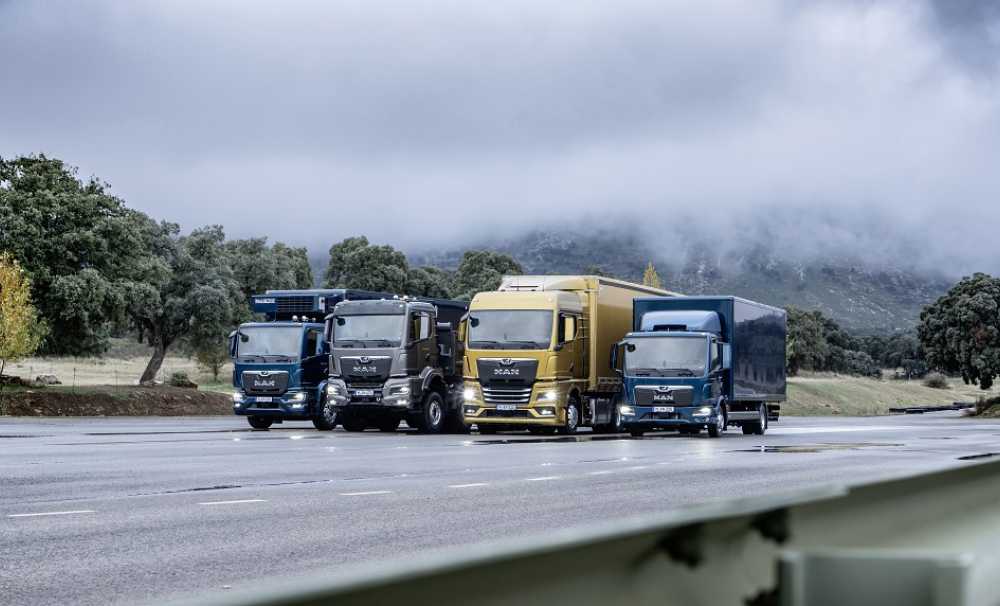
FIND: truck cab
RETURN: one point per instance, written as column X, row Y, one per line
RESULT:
column 673, row 373
column 694, row 363
column 280, row 364
column 393, row 360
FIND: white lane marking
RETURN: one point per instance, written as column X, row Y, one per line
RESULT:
column 602, row 472
column 234, row 502
column 49, row 513
column 637, row 467
column 842, row 429
column 365, row 493
column 471, row 485
column 541, row 479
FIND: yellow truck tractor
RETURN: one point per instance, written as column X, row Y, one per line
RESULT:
column 538, row 353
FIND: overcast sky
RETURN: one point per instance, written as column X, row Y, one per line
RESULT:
column 848, row 124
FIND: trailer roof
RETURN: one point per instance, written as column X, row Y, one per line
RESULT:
column 715, row 298
column 568, row 282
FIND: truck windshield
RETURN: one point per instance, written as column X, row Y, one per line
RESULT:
column 269, row 342
column 368, row 331
column 667, row 357
column 510, row 329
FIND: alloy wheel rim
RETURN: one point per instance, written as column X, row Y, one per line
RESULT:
column 435, row 410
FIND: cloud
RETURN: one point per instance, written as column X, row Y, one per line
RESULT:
column 866, row 126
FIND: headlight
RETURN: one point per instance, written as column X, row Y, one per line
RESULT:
column 546, row 411
column 400, row 390
column 704, row 411
column 237, row 396
column 298, row 397
column 469, row 395
column 548, row 396
column 332, row 389
column 626, row 410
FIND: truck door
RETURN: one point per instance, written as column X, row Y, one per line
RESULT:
column 715, row 373
column 569, row 364
column 422, row 342
column 314, row 361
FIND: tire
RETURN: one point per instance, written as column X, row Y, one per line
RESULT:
column 431, row 419
column 352, row 423
column 636, row 433
column 572, row 419
column 716, row 430
column 758, row 427
column 260, row 422
column 326, row 420
column 615, row 426
column 388, row 425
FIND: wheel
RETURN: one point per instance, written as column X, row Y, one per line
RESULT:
column 432, row 418
column 487, row 430
column 260, row 422
column 759, row 426
column 615, row 426
column 636, row 433
column 716, row 429
column 572, row 419
column 388, row 425
column 326, row 420
column 352, row 423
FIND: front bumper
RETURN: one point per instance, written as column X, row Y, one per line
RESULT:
column 667, row 417
column 289, row 405
column 545, row 407
column 396, row 394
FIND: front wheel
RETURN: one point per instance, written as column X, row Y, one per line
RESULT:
column 716, row 429
column 572, row 419
column 260, row 422
column 431, row 419
column 326, row 420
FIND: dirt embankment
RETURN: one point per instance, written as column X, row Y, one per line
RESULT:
column 114, row 401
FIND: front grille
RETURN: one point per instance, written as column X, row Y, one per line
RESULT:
column 506, row 395
column 259, row 383
column 509, row 414
column 675, row 396
column 294, row 304
column 363, row 385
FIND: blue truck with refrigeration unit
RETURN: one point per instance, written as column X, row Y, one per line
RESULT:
column 281, row 363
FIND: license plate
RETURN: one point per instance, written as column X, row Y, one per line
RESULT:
column 506, row 406
column 364, row 392
column 265, row 399
column 663, row 409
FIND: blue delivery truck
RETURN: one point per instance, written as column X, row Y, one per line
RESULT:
column 280, row 365
column 693, row 363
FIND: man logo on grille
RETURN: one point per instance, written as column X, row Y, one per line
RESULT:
column 265, row 373
column 664, row 388
column 364, row 359
column 506, row 362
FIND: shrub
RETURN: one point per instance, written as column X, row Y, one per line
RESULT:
column 181, row 379
column 936, row 380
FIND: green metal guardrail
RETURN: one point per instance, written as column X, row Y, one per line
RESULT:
column 931, row 539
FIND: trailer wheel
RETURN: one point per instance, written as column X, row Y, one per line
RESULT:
column 759, row 426
column 572, row 418
column 431, row 420
column 326, row 420
column 260, row 422
column 352, row 423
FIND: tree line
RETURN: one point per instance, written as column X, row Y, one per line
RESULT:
column 95, row 269
column 78, row 266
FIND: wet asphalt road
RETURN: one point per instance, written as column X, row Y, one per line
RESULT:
column 123, row 510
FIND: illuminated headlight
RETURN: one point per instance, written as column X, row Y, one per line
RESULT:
column 546, row 411
column 332, row 389
column 470, row 410
column 401, row 390
column 469, row 395
column 627, row 411
column 237, row 399
column 704, row 411
column 298, row 397
column 548, row 396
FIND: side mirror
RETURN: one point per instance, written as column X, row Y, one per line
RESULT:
column 232, row 344
column 463, row 327
column 473, row 321
column 614, row 358
column 569, row 328
column 727, row 356
column 341, row 321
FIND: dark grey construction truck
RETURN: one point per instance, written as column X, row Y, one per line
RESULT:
column 396, row 359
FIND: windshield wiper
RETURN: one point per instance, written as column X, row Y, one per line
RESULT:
column 681, row 372
column 534, row 344
column 644, row 372
column 381, row 342
column 484, row 343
